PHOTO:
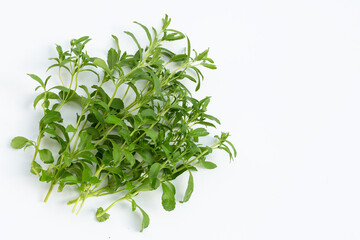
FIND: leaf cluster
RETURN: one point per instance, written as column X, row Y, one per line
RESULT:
column 120, row 148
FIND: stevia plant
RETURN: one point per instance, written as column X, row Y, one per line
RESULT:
column 124, row 147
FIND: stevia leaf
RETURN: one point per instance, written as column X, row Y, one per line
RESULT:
column 152, row 134
column 116, row 42
column 51, row 116
column 18, row 142
column 85, row 138
column 129, row 157
column 212, row 118
column 201, row 55
column 101, row 63
column 35, row 168
column 133, row 205
column 168, row 198
column 208, row 65
column 101, row 216
column 147, row 156
column 117, row 104
column 154, row 170
column 146, row 31
column 116, row 153
column 208, row 165
column 189, row 189
column 145, row 221
column 70, row 128
column 38, row 98
column 111, row 119
column 112, row 58
column 88, row 156
column 46, row 156
column 38, row 79
column 136, row 42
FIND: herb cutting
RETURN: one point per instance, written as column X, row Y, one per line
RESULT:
column 121, row 147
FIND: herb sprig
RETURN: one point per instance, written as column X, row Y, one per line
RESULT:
column 123, row 148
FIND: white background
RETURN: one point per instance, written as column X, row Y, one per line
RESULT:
column 287, row 88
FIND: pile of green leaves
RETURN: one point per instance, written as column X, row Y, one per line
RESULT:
column 120, row 148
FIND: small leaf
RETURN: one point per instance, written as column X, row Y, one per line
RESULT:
column 36, row 78
column 112, row 58
column 19, row 142
column 116, row 153
column 208, row 65
column 101, row 63
column 208, row 165
column 147, row 156
column 46, row 156
column 168, row 198
column 103, row 217
column 152, row 134
column 189, row 188
column 136, row 42
column 35, row 168
column 146, row 30
column 201, row 55
column 117, row 104
column 129, row 157
column 133, row 205
column 154, row 170
column 70, row 128
column 145, row 221
column 111, row 119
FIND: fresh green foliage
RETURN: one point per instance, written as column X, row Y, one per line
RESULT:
column 124, row 144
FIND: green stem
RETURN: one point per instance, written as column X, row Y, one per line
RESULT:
column 49, row 192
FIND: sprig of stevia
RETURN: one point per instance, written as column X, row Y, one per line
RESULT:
column 125, row 149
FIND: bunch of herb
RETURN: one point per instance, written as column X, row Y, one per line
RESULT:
column 120, row 148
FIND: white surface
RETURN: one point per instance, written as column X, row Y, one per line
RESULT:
column 287, row 88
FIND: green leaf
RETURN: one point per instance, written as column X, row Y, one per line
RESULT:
column 154, row 170
column 46, row 156
column 152, row 134
column 88, row 156
column 101, row 216
column 148, row 113
column 70, row 128
column 201, row 55
column 36, row 78
column 35, row 168
column 133, row 205
column 117, row 104
column 147, row 156
column 116, row 153
column 146, row 31
column 168, row 198
column 38, row 98
column 135, row 40
column 112, row 58
column 51, row 116
column 212, row 118
column 145, row 221
column 156, row 82
column 129, row 157
column 116, row 42
column 199, row 132
column 101, row 63
column 111, row 119
column 85, row 138
column 208, row 65
column 101, row 103
column 189, row 188
column 178, row 58
column 208, row 165
column 18, row 142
